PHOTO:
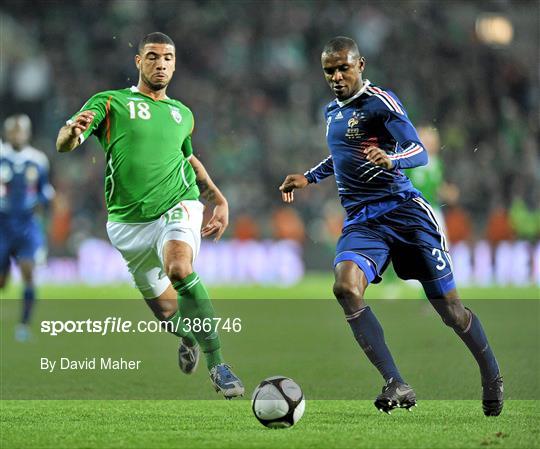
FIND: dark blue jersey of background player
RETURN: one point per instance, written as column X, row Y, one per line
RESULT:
column 373, row 117
column 24, row 185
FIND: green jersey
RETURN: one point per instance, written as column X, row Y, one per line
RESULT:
column 147, row 145
column 428, row 179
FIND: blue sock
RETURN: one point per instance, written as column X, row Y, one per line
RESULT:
column 475, row 339
column 29, row 296
column 370, row 336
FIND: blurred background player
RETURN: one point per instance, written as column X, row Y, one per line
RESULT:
column 429, row 179
column 24, row 186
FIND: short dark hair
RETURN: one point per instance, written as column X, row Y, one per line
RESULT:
column 155, row 38
column 341, row 43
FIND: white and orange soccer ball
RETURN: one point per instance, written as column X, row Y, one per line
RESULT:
column 278, row 402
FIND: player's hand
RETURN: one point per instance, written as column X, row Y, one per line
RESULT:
column 218, row 223
column 292, row 182
column 378, row 157
column 81, row 123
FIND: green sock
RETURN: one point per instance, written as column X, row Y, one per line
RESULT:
column 195, row 305
column 177, row 329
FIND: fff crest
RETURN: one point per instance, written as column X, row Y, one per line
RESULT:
column 352, row 122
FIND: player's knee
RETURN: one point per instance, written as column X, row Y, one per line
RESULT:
column 178, row 270
column 27, row 273
column 346, row 291
column 28, row 279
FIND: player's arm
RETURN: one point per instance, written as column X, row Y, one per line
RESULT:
column 312, row 176
column 411, row 152
column 69, row 135
column 220, row 218
column 45, row 189
column 79, row 127
column 46, row 193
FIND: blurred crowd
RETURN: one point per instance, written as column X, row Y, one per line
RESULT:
column 250, row 71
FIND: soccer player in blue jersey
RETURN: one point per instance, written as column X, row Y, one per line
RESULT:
column 24, row 185
column 371, row 140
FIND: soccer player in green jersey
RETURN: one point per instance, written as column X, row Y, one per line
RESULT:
column 152, row 185
column 429, row 178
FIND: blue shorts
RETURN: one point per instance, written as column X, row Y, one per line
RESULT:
column 20, row 239
column 408, row 235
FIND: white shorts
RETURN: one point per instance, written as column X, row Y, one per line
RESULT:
column 141, row 244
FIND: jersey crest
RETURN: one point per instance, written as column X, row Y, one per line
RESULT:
column 175, row 112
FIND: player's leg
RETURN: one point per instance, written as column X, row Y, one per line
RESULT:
column 353, row 272
column 165, row 309
column 22, row 332
column 195, row 306
column 467, row 325
column 29, row 243
column 136, row 244
column 423, row 255
column 4, row 279
column 4, row 273
column 4, row 255
column 178, row 248
column 193, row 302
column 165, row 305
column 469, row 328
column 350, row 284
column 29, row 294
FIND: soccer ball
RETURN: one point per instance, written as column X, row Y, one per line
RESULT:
column 278, row 402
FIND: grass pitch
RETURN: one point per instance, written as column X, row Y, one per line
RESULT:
column 213, row 424
column 313, row 286
column 306, row 339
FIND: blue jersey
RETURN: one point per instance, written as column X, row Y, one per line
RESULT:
column 24, row 182
column 372, row 117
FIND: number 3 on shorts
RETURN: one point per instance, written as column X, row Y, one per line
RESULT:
column 174, row 215
column 442, row 263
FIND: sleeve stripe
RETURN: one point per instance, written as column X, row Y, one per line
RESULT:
column 385, row 98
column 319, row 164
column 382, row 99
column 412, row 152
column 108, row 119
column 389, row 97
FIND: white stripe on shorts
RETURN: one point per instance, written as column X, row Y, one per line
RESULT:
column 424, row 205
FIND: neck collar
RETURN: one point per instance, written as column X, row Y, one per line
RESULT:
column 355, row 96
column 135, row 89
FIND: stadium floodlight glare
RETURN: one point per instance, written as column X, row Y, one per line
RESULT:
column 494, row 29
